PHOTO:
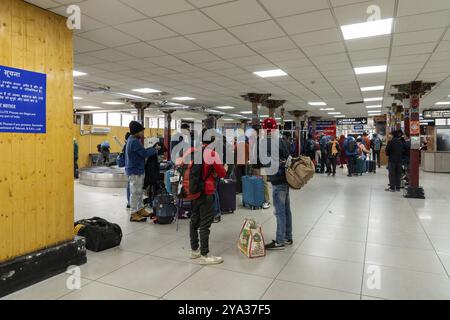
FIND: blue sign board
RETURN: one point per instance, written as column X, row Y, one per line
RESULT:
column 358, row 127
column 22, row 101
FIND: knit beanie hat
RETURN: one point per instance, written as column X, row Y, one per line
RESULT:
column 136, row 127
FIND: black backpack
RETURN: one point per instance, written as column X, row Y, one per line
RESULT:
column 351, row 146
column 100, row 234
column 164, row 207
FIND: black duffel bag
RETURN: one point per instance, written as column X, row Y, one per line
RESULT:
column 100, row 234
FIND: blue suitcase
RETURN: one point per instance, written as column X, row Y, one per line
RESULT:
column 169, row 174
column 252, row 192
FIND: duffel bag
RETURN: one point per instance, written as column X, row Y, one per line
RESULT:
column 100, row 234
column 299, row 171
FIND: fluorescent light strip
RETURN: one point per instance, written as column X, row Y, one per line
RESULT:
column 367, row 29
column 88, row 107
column 77, row 98
column 317, row 103
column 333, row 113
column 373, row 99
column 445, row 103
column 131, row 96
column 271, row 73
column 225, row 107
column 374, row 107
column 183, row 98
column 369, row 70
column 373, row 111
column 341, row 116
column 146, row 90
column 327, row 109
column 79, row 73
column 374, row 88
column 113, row 103
column 246, row 112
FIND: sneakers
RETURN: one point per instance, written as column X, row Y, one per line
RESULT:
column 210, row 260
column 266, row 205
column 128, row 206
column 274, row 246
column 389, row 190
column 136, row 217
column 195, row 254
column 217, row 219
column 288, row 242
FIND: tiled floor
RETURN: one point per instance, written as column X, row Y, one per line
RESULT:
column 353, row 240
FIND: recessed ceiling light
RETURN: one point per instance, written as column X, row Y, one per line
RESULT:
column 333, row 113
column 341, row 116
column 77, row 98
column 183, row 98
column 113, row 103
column 88, row 107
column 374, row 107
column 225, row 107
column 317, row 103
column 131, row 96
column 264, row 116
column 376, row 111
column 443, row 103
column 146, row 90
column 188, row 119
column 228, row 119
column 78, row 73
column 367, row 29
column 246, row 112
column 271, row 73
column 374, row 88
column 327, row 109
column 368, row 70
column 373, row 99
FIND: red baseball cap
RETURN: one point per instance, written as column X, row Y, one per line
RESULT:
column 270, row 124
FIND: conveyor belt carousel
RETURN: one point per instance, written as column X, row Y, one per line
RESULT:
column 105, row 177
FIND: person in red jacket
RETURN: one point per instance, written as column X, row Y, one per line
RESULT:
column 203, row 207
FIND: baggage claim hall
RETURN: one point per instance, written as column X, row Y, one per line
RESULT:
column 224, row 150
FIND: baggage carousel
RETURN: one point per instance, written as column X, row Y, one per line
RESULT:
column 105, row 177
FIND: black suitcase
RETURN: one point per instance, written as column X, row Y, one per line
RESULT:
column 100, row 234
column 164, row 208
column 226, row 190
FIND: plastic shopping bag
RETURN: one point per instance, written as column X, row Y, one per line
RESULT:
column 251, row 240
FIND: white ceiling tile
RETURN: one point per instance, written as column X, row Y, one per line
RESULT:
column 154, row 8
column 175, row 45
column 84, row 59
column 287, row 55
column 217, row 65
column 318, row 37
column 109, row 11
column 198, row 56
column 334, row 58
column 415, row 37
column 188, row 22
column 111, row 67
column 109, row 37
column 308, row 22
column 369, row 43
column 357, row 13
column 423, row 21
column 324, row 49
column 419, row 59
column 146, row 30
column 411, row 7
column 416, row 49
column 249, row 61
column 83, row 45
column 233, row 51
column 272, row 45
column 237, row 13
column 110, row 55
column 257, row 31
column 165, row 61
column 46, row 4
column 289, row 7
column 206, row 3
column 213, row 39
column 140, row 50
column 362, row 55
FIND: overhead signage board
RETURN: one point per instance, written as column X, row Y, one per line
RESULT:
column 22, row 101
column 436, row 114
column 352, row 121
column 327, row 128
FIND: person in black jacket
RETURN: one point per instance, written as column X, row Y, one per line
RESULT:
column 282, row 202
column 152, row 180
column 395, row 151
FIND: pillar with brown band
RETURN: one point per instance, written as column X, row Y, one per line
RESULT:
column 298, row 129
column 273, row 105
column 414, row 90
column 140, row 107
column 167, row 132
column 256, row 99
column 282, row 113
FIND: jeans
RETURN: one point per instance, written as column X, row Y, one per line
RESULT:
column 377, row 158
column 128, row 193
column 136, row 192
column 323, row 162
column 395, row 175
column 259, row 172
column 283, row 213
column 331, row 165
column 351, row 165
column 201, row 220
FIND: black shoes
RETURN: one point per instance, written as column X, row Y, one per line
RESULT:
column 275, row 246
column 288, row 242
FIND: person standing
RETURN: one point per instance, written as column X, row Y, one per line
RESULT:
column 323, row 140
column 75, row 158
column 342, row 157
column 333, row 151
column 282, row 202
column 310, row 148
column 394, row 151
column 376, row 145
column 351, row 151
column 135, row 155
column 203, row 207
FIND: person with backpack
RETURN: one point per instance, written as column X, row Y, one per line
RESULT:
column 135, row 155
column 121, row 163
column 281, row 201
column 351, row 151
column 199, row 186
column 105, row 151
column 323, row 140
column 376, row 145
column 310, row 147
column 342, row 156
column 333, row 151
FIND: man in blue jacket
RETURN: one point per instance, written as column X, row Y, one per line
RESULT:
column 351, row 151
column 135, row 155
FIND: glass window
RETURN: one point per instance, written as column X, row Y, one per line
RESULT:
column 99, row 119
column 126, row 119
column 114, row 119
column 161, row 123
column 154, row 123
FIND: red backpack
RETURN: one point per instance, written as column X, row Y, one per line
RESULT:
column 192, row 183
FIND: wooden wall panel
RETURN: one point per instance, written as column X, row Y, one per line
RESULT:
column 36, row 171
